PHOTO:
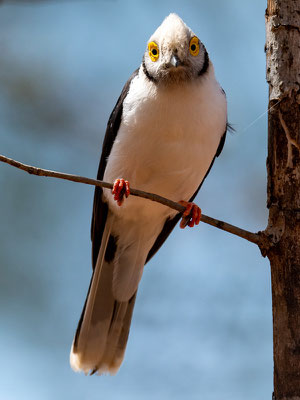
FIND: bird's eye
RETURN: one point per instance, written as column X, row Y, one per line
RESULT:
column 153, row 51
column 194, row 46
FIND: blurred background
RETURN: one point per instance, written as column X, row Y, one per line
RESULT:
column 202, row 322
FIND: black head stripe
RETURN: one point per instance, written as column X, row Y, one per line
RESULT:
column 205, row 64
column 146, row 72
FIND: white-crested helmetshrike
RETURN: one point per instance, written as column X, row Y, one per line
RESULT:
column 163, row 135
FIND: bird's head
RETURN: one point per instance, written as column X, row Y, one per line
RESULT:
column 174, row 53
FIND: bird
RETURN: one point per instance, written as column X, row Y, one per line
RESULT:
column 168, row 126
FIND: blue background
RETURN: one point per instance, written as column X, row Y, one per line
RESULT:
column 202, row 322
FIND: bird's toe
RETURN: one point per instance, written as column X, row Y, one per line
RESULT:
column 120, row 189
column 191, row 216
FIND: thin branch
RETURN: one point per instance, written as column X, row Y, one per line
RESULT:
column 257, row 238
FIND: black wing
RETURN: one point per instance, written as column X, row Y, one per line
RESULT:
column 100, row 208
column 171, row 222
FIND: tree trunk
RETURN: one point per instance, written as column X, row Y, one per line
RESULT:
column 283, row 165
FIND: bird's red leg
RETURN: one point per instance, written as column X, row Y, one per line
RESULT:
column 120, row 189
column 191, row 215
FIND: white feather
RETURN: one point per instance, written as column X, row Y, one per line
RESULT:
column 93, row 336
column 133, row 245
column 166, row 142
column 165, row 145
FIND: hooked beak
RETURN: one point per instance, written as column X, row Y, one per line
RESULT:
column 174, row 61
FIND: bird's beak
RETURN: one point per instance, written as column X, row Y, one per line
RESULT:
column 175, row 61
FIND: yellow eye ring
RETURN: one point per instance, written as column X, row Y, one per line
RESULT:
column 153, row 51
column 194, row 46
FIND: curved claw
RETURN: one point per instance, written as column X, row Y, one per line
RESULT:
column 120, row 189
column 191, row 215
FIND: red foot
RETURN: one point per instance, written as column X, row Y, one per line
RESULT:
column 120, row 188
column 191, row 216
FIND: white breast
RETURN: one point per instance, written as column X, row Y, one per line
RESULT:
column 166, row 141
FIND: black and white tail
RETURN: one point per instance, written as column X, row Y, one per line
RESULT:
column 101, row 337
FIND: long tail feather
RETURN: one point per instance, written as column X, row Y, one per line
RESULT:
column 102, row 332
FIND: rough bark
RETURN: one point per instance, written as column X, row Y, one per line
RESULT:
column 283, row 165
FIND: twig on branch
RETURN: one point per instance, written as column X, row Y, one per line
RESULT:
column 257, row 238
